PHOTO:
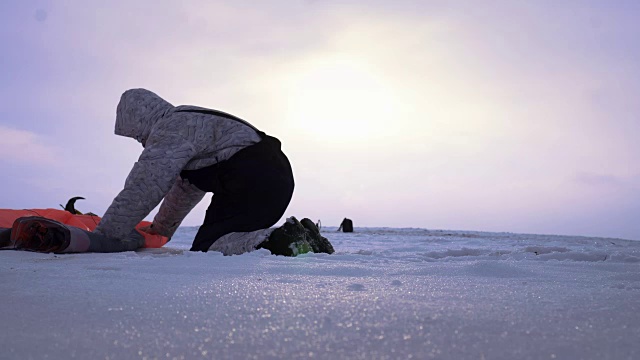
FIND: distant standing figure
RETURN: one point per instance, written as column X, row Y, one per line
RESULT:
column 346, row 225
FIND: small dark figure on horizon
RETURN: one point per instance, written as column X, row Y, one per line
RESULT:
column 346, row 225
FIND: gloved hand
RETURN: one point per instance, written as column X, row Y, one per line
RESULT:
column 155, row 229
column 149, row 229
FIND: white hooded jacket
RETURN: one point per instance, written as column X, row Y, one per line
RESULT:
column 174, row 140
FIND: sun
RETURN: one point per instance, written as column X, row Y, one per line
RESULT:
column 340, row 98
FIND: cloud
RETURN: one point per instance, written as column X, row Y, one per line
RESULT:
column 21, row 146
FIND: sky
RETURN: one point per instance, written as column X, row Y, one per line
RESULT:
column 514, row 116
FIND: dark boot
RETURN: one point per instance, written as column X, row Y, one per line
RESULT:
column 5, row 237
column 319, row 243
column 46, row 235
column 290, row 239
column 39, row 234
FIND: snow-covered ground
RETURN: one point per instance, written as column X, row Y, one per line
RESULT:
column 384, row 294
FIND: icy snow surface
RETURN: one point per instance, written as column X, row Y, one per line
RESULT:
column 384, row 294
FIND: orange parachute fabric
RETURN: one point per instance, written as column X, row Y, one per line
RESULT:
column 84, row 222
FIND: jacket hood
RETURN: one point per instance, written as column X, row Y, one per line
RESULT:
column 138, row 111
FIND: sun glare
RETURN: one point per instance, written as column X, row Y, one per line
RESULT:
column 342, row 99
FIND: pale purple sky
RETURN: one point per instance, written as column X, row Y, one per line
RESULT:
column 519, row 116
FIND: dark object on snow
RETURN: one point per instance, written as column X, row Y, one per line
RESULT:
column 70, row 207
column 297, row 237
column 290, row 239
column 319, row 243
column 346, row 225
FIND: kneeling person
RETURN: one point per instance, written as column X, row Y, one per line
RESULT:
column 189, row 151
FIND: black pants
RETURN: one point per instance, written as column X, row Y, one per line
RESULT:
column 251, row 191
